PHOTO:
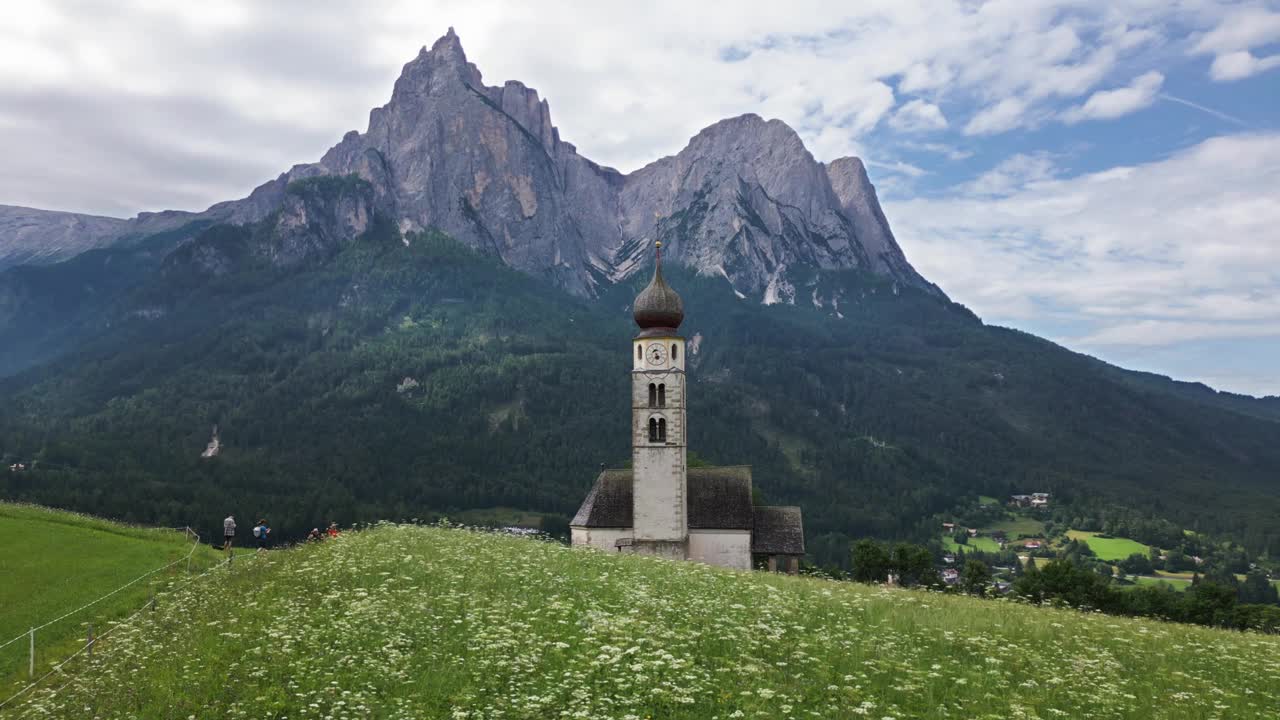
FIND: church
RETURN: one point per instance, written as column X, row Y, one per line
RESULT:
column 660, row 506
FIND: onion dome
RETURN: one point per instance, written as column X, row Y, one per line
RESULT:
column 658, row 306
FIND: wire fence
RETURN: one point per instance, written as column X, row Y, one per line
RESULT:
column 89, row 645
column 117, row 591
column 92, row 641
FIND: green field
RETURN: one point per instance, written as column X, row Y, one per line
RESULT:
column 1109, row 548
column 980, row 543
column 416, row 622
column 1016, row 526
column 54, row 562
column 1175, row 583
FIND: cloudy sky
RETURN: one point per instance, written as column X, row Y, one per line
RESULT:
column 1104, row 174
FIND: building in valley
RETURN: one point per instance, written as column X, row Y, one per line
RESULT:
column 660, row 506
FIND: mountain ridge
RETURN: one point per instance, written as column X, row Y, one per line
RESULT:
column 743, row 199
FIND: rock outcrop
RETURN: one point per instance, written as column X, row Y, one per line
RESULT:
column 38, row 237
column 744, row 200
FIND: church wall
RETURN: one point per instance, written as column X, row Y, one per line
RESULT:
column 603, row 538
column 726, row 548
column 658, row 493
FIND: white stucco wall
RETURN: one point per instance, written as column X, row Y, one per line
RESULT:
column 726, row 548
column 603, row 538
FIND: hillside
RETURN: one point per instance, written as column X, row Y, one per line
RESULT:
column 392, row 380
column 403, row 621
column 55, row 563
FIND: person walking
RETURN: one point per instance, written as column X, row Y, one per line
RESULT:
column 262, row 531
column 228, row 532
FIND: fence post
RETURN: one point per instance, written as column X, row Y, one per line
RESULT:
column 31, row 664
column 153, row 600
column 89, row 641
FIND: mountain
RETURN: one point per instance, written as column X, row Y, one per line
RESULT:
column 485, row 165
column 434, row 318
column 42, row 237
column 39, row 237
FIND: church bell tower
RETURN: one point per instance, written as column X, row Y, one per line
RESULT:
column 658, row 439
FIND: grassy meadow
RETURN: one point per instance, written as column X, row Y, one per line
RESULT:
column 424, row 622
column 1109, row 548
column 54, row 562
column 981, row 543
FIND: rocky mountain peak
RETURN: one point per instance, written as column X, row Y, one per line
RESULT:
column 436, row 71
column 744, row 200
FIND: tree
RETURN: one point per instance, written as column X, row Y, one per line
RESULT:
column 1257, row 589
column 911, row 563
column 975, row 577
column 1137, row 564
column 870, row 561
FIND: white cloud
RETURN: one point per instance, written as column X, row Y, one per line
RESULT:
column 1230, row 42
column 918, row 116
column 1107, row 104
column 1001, row 117
column 644, row 79
column 1016, row 172
column 1167, row 252
column 1240, row 64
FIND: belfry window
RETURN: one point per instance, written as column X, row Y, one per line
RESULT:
column 653, row 395
column 653, row 429
column 662, row 394
column 639, row 353
column 662, row 429
column 675, row 352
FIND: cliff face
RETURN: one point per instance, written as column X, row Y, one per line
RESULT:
column 485, row 164
column 37, row 237
column 744, row 200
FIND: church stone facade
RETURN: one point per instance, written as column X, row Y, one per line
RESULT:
column 660, row 506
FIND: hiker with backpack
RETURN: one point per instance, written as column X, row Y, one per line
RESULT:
column 262, row 531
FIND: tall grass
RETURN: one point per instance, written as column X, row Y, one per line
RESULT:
column 414, row 622
column 53, row 562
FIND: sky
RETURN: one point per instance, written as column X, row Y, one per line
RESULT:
column 1102, row 174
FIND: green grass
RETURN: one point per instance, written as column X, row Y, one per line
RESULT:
column 1175, row 583
column 1017, row 526
column 1109, row 548
column 987, row 500
column 53, row 562
column 982, row 544
column 414, row 622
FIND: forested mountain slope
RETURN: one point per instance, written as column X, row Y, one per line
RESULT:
column 391, row 375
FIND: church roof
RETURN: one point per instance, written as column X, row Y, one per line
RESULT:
column 777, row 530
column 719, row 499
column 658, row 306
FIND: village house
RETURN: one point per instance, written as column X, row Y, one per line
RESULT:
column 660, row 506
column 1034, row 500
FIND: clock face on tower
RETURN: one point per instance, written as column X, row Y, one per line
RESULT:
column 656, row 354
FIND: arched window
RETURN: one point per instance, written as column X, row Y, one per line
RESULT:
column 662, row 394
column 653, row 430
column 653, row 395
column 662, row 429
column 675, row 352
column 639, row 353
